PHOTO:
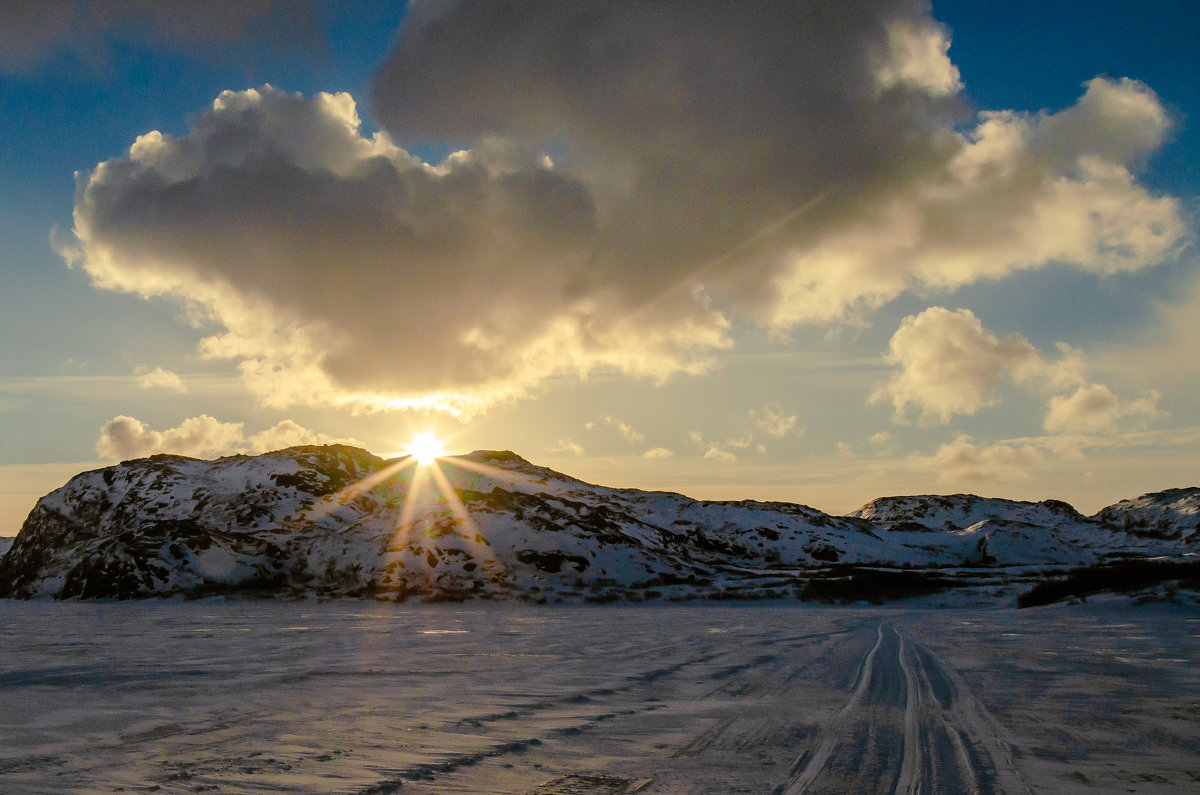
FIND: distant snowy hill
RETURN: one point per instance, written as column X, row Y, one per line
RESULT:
column 336, row 521
column 5, row 543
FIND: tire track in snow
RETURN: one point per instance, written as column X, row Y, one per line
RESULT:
column 967, row 721
column 832, row 733
column 913, row 704
column 970, row 776
column 909, row 726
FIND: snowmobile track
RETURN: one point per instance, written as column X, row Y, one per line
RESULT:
column 909, row 726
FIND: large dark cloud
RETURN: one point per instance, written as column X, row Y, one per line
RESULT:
column 631, row 177
column 345, row 270
column 35, row 31
column 695, row 123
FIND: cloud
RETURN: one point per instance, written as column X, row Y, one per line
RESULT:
column 627, row 431
column 634, row 181
column 287, row 433
column 741, row 443
column 159, row 378
column 963, row 460
column 35, row 31
column 1013, row 460
column 1095, row 409
column 716, row 453
column 856, row 109
column 345, row 272
column 701, row 158
column 568, row 446
column 883, row 437
column 948, row 364
column 917, row 57
column 775, row 422
column 658, row 453
column 199, row 437
column 1014, row 192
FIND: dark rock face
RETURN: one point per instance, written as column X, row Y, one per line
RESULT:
column 336, row 521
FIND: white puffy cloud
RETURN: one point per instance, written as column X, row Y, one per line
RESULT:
column 287, row 433
column 1095, row 409
column 1016, row 191
column 658, row 453
column 782, row 162
column 948, row 363
column 917, row 57
column 199, row 437
column 158, row 378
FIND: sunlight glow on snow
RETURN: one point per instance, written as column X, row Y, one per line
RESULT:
column 432, row 506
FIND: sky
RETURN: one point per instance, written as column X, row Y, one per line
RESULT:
column 808, row 251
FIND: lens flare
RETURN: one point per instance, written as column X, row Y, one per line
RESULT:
column 425, row 447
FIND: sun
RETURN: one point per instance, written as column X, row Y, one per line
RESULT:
column 425, row 447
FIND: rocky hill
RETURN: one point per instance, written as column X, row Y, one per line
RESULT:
column 337, row 521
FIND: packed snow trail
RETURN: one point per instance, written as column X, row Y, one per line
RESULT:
column 828, row 739
column 906, row 728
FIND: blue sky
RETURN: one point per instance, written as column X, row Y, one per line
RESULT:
column 692, row 253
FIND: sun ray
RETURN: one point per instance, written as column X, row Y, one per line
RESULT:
column 425, row 472
column 507, row 476
column 331, row 501
column 411, row 499
column 456, row 505
column 471, row 530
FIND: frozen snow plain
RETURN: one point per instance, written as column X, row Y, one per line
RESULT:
column 765, row 698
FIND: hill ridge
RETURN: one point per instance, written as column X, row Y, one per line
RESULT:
column 339, row 521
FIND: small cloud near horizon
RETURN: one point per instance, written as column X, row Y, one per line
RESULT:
column 203, row 436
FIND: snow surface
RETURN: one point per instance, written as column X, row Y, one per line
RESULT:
column 359, row 697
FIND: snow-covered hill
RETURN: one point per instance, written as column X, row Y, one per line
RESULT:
column 1172, row 514
column 338, row 521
